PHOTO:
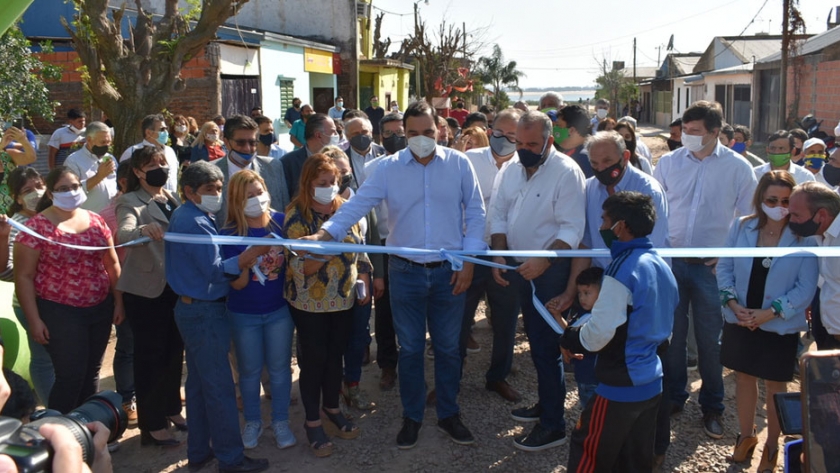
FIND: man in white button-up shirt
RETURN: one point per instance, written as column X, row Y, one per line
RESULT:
column 707, row 186
column 95, row 167
column 156, row 134
column 813, row 211
column 539, row 204
column 489, row 165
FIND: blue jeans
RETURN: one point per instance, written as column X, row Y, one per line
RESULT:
column 699, row 289
column 124, row 362
column 503, row 303
column 211, row 399
column 545, row 346
column 264, row 340
column 359, row 340
column 40, row 365
column 421, row 296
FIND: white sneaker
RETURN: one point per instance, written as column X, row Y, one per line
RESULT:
column 251, row 434
column 283, row 434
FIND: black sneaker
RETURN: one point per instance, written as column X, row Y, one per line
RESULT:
column 458, row 432
column 712, row 425
column 527, row 414
column 540, row 439
column 407, row 438
column 247, row 465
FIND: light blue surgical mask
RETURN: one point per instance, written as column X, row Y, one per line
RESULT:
column 163, row 137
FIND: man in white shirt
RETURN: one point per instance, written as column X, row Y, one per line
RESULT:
column 360, row 147
column 503, row 301
column 95, row 167
column 779, row 148
column 707, row 186
column 813, row 211
column 539, row 205
column 67, row 139
column 156, row 133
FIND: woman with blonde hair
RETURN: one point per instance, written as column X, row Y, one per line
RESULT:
column 259, row 316
column 208, row 145
column 471, row 138
column 321, row 292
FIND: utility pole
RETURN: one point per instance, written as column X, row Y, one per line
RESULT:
column 417, row 87
column 784, row 64
column 658, row 55
column 634, row 61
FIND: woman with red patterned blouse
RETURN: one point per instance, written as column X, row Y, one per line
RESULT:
column 66, row 293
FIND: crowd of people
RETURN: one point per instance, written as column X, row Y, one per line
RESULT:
column 513, row 179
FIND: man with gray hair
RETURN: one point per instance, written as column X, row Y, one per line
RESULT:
column 602, row 109
column 156, row 134
column 95, row 167
column 539, row 205
column 813, row 211
column 360, row 146
column 201, row 278
column 551, row 101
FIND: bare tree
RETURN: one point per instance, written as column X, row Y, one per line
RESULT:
column 131, row 77
column 380, row 48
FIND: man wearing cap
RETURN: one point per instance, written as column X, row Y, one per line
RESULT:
column 814, row 154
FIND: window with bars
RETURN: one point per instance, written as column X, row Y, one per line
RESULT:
column 287, row 92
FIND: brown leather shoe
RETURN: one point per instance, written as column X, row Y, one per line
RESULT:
column 387, row 379
column 502, row 388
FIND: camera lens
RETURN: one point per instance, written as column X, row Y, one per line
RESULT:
column 105, row 407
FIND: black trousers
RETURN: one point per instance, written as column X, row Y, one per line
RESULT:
column 386, row 338
column 78, row 338
column 614, row 436
column 322, row 340
column 158, row 357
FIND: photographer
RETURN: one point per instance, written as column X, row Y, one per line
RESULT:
column 67, row 455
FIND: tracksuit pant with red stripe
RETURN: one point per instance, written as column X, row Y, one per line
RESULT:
column 613, row 436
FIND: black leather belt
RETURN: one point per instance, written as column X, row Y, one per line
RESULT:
column 190, row 300
column 431, row 265
column 694, row 260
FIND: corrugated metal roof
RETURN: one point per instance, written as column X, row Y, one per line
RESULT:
column 746, row 48
column 812, row 45
column 641, row 72
column 685, row 64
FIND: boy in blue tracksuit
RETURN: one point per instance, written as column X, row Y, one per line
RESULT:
column 632, row 317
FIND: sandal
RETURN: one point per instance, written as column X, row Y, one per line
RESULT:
column 768, row 459
column 318, row 441
column 339, row 426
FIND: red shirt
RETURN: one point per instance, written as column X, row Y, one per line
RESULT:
column 459, row 114
column 215, row 152
column 65, row 275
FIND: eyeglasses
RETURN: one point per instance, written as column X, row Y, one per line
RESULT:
column 774, row 201
column 241, row 143
column 70, row 188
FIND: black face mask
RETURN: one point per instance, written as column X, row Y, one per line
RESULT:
column 673, row 144
column 395, row 143
column 831, row 175
column 804, row 229
column 157, row 177
column 360, row 142
column 267, row 139
column 345, row 183
column 99, row 151
column 611, row 175
column 631, row 146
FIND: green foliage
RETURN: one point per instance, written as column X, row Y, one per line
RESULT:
column 23, row 92
column 194, row 13
column 500, row 75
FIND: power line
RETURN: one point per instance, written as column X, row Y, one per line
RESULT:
column 391, row 13
column 729, row 45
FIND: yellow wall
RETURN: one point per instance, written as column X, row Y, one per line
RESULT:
column 366, row 32
column 384, row 81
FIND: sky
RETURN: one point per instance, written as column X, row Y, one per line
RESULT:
column 560, row 43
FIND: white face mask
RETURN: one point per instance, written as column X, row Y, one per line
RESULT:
column 693, row 143
column 325, row 195
column 776, row 213
column 30, row 199
column 181, row 129
column 602, row 113
column 421, row 146
column 256, row 206
column 76, row 130
column 70, row 200
column 335, row 140
column 210, row 203
column 211, row 137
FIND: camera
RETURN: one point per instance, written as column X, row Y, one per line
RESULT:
column 31, row 452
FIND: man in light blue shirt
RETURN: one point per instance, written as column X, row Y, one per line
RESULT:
column 337, row 112
column 434, row 202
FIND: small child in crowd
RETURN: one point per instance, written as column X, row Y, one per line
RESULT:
column 588, row 286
